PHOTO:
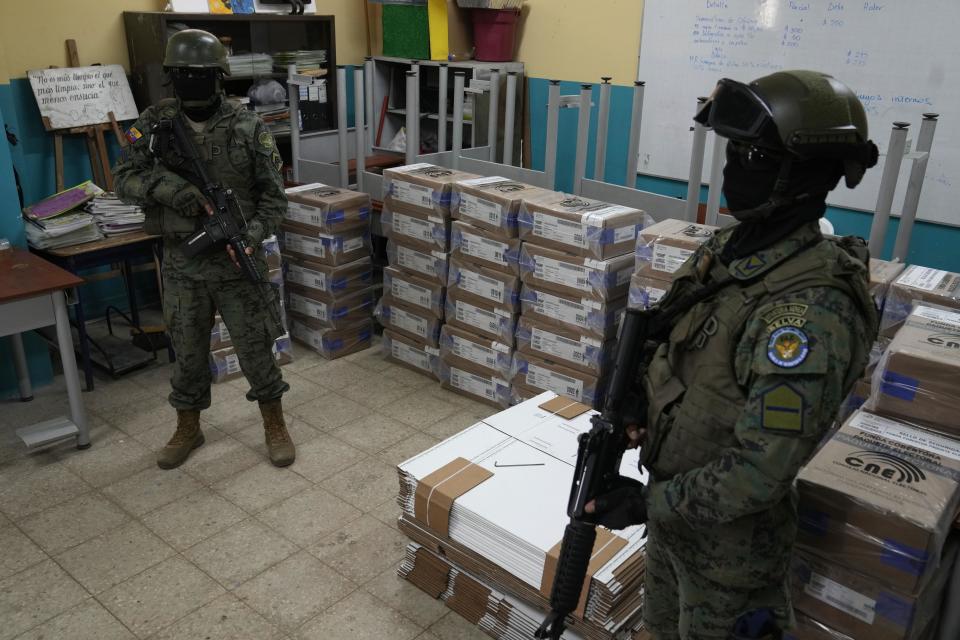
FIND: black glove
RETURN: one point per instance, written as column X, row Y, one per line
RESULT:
column 622, row 507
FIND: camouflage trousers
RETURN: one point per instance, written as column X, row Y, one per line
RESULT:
column 681, row 603
column 189, row 306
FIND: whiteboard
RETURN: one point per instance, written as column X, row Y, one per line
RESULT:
column 901, row 57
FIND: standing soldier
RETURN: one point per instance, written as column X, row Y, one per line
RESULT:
column 750, row 379
column 241, row 155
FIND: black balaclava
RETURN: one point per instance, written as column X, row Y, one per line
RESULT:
column 772, row 196
column 198, row 90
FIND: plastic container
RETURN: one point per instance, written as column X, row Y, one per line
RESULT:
column 495, row 34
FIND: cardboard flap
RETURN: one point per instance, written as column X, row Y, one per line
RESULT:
column 566, row 408
column 605, row 547
column 436, row 492
column 469, row 598
column 430, row 574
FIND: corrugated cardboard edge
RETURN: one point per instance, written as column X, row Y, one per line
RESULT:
column 606, row 546
column 437, row 492
column 469, row 598
column 566, row 408
column 429, row 574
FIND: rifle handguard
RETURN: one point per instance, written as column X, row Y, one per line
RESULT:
column 572, row 565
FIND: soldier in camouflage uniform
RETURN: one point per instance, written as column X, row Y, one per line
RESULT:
column 750, row 379
column 240, row 153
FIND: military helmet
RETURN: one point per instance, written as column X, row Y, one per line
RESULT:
column 806, row 114
column 196, row 49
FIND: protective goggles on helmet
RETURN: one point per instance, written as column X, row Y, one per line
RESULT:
column 736, row 112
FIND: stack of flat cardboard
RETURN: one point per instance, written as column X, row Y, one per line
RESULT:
column 330, row 288
column 661, row 250
column 224, row 362
column 473, row 498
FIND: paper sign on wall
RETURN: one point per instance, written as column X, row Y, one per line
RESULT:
column 81, row 96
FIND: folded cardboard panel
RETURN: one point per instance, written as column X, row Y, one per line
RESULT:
column 410, row 353
column 558, row 342
column 327, row 209
column 427, row 263
column 645, row 291
column 918, row 285
column 491, row 285
column 428, row 231
column 550, row 375
column 411, row 289
column 424, row 187
column 333, row 343
column 469, row 350
column 575, row 275
column 341, row 311
column 918, row 378
column 492, row 203
column 598, row 318
column 881, row 496
column 475, row 382
column 473, row 313
column 329, row 280
column 408, row 320
column 662, row 248
column 225, row 363
column 485, row 248
column 579, row 225
column 300, row 241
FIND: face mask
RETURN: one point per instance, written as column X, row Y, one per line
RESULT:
column 198, row 90
column 749, row 177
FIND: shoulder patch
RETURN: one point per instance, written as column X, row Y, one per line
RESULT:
column 788, row 346
column 785, row 315
column 782, row 409
column 265, row 140
column 133, row 134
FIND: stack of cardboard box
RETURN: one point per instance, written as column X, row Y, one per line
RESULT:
column 918, row 284
column 661, row 250
column 329, row 273
column 416, row 222
column 224, row 363
column 575, row 264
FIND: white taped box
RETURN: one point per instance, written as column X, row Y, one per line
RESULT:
column 579, row 225
column 918, row 285
column 328, row 209
column 411, row 289
column 645, row 291
column 881, row 496
column 412, row 354
column 408, row 320
column 429, row 231
column 424, row 187
column 598, row 318
column 558, row 342
column 492, row 203
column 225, row 363
column 414, row 258
column 472, row 313
column 575, row 275
column 491, row 285
column 550, row 375
column 330, row 280
column 662, row 248
column 474, row 383
column 335, row 249
column 469, row 350
column 485, row 248
column 333, row 343
column 329, row 311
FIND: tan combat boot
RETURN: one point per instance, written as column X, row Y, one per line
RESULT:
column 279, row 445
column 187, row 438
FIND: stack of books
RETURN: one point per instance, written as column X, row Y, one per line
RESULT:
column 250, row 64
column 54, row 222
column 113, row 217
column 309, row 62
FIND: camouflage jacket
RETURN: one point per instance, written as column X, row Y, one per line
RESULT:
column 240, row 154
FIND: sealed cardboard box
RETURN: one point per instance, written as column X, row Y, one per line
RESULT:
column 427, row 295
column 598, row 318
column 861, row 606
column 575, row 275
column 645, row 291
column 918, row 378
column 408, row 320
column 474, row 383
column 337, row 312
column 334, row 343
column 472, row 313
column 881, row 496
column 858, row 395
column 579, row 225
column 491, row 285
column 548, row 375
column 882, row 275
column 328, row 209
column 918, row 285
column 662, row 248
column 429, row 231
column 219, row 335
column 329, row 249
column 424, row 187
column 557, row 342
column 469, row 350
column 271, row 251
column 492, row 203
column 485, row 248
column 430, row 264
column 225, row 364
column 331, row 281
column 410, row 353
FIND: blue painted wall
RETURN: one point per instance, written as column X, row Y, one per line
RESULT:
column 933, row 245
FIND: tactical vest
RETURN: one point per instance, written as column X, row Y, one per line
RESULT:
column 695, row 395
column 229, row 153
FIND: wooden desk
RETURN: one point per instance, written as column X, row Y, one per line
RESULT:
column 32, row 296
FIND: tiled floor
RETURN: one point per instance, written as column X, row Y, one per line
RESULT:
column 103, row 545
